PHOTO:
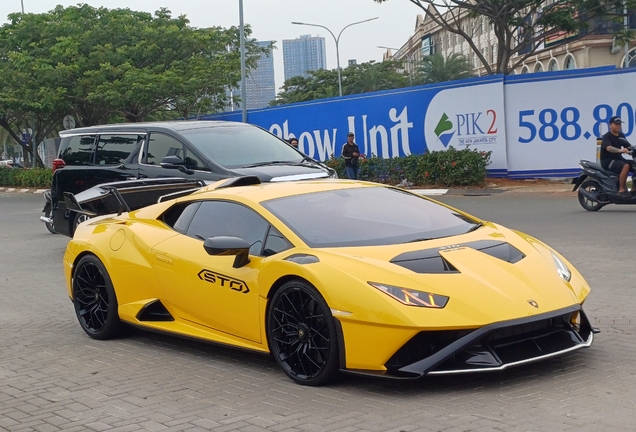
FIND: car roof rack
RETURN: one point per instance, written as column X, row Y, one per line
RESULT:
column 239, row 181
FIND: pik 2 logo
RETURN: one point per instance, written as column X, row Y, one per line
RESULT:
column 224, row 281
column 444, row 130
column 470, row 128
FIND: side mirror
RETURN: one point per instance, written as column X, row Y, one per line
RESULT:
column 227, row 245
column 172, row 162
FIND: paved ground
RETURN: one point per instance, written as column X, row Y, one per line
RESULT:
column 53, row 377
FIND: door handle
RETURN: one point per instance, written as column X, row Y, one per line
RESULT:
column 164, row 258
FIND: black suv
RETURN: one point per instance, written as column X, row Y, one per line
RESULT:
column 198, row 150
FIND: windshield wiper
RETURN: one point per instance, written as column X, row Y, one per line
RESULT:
column 474, row 227
column 420, row 239
column 270, row 163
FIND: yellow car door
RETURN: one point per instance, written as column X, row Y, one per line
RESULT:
column 208, row 289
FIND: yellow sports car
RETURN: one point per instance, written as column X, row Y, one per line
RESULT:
column 329, row 276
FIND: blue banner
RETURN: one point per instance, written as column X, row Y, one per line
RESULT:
column 413, row 120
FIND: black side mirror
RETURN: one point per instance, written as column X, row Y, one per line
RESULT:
column 173, row 162
column 227, row 245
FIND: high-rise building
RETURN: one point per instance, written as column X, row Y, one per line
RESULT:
column 260, row 87
column 307, row 53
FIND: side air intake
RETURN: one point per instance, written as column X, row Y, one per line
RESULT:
column 154, row 311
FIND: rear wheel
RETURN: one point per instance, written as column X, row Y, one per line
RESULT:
column 302, row 335
column 49, row 226
column 79, row 218
column 94, row 299
column 592, row 188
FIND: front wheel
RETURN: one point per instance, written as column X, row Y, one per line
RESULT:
column 94, row 300
column 302, row 335
column 589, row 189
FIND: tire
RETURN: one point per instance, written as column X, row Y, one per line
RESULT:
column 78, row 219
column 302, row 335
column 49, row 226
column 588, row 204
column 95, row 301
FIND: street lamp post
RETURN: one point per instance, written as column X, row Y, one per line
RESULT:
column 337, row 40
column 242, row 49
column 409, row 58
column 626, row 25
column 22, row 3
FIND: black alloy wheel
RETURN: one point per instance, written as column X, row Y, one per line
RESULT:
column 94, row 299
column 302, row 335
column 591, row 187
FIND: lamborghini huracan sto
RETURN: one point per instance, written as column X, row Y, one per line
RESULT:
column 329, row 276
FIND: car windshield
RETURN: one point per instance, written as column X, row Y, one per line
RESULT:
column 368, row 216
column 238, row 146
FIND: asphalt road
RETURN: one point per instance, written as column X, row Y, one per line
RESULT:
column 53, row 377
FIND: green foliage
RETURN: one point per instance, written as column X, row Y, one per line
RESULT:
column 370, row 77
column 451, row 167
column 362, row 78
column 435, row 68
column 37, row 177
column 109, row 65
column 520, row 27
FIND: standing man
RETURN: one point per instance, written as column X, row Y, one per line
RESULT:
column 613, row 146
column 351, row 155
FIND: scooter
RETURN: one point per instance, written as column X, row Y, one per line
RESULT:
column 47, row 218
column 599, row 187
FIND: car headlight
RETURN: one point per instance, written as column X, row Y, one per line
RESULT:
column 411, row 297
column 562, row 269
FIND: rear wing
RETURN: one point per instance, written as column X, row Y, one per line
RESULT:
column 125, row 196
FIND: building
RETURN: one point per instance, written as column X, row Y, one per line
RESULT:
column 578, row 51
column 352, row 62
column 260, row 87
column 306, row 53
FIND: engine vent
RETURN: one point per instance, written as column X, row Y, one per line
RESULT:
column 430, row 261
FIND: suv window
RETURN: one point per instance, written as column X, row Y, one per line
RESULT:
column 115, row 149
column 162, row 145
column 77, row 150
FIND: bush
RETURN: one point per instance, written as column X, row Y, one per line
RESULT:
column 450, row 167
column 37, row 177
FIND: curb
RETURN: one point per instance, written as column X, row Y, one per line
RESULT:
column 21, row 190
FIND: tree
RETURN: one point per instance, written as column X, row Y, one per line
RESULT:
column 435, row 68
column 371, row 76
column 319, row 84
column 521, row 26
column 103, row 65
column 362, row 78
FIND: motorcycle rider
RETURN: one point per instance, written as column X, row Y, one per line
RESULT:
column 613, row 146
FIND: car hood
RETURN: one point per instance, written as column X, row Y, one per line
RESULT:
column 284, row 172
column 489, row 275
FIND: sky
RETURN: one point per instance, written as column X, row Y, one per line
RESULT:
column 271, row 20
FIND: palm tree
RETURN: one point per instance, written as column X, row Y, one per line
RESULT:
column 371, row 76
column 435, row 68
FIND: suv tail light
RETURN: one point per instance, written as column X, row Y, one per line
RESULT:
column 58, row 163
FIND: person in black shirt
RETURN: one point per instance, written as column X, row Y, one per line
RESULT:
column 613, row 146
column 293, row 142
column 351, row 155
